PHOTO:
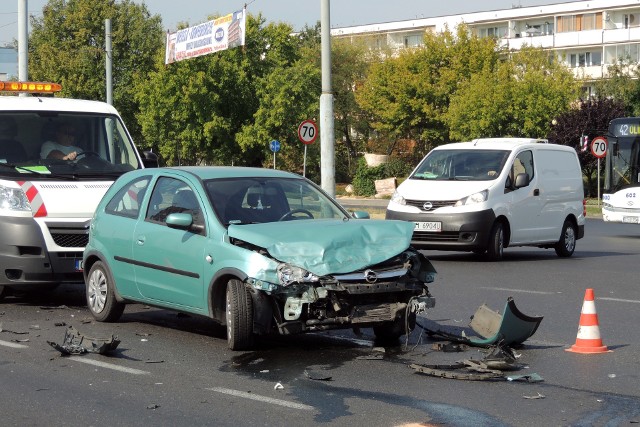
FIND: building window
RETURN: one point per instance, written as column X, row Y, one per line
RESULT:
column 413, row 41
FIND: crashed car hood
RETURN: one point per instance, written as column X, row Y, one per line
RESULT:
column 328, row 246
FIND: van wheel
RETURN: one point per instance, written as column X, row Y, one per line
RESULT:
column 495, row 248
column 101, row 297
column 567, row 243
column 239, row 316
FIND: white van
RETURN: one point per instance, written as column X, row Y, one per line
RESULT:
column 46, row 203
column 488, row 194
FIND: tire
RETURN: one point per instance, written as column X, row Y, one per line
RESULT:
column 567, row 243
column 495, row 248
column 239, row 316
column 4, row 291
column 101, row 298
column 389, row 332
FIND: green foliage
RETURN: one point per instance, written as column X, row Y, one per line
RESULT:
column 67, row 46
column 516, row 97
column 365, row 177
column 397, row 167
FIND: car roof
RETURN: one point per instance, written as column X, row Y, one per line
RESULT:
column 48, row 103
column 501, row 144
column 213, row 172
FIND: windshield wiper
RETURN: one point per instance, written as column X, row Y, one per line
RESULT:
column 28, row 170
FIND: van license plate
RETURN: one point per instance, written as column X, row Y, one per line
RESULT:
column 428, row 226
column 631, row 219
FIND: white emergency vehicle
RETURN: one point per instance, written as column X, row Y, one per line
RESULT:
column 46, row 203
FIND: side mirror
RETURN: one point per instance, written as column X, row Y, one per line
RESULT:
column 149, row 159
column 180, row 221
column 522, row 180
column 360, row 215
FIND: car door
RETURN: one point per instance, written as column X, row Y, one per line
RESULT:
column 525, row 202
column 170, row 261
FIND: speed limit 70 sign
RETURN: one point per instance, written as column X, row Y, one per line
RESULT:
column 599, row 147
column 307, row 132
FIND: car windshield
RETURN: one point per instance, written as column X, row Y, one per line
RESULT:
column 35, row 142
column 464, row 165
column 260, row 200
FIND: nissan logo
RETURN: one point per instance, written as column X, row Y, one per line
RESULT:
column 427, row 206
column 370, row 276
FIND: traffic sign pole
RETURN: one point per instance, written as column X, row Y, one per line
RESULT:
column 307, row 133
column 599, row 149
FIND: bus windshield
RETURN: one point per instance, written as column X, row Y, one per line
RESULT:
column 622, row 160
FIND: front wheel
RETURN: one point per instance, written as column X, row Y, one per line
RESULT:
column 239, row 316
column 567, row 243
column 495, row 248
column 101, row 298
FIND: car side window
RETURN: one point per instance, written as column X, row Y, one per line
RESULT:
column 172, row 195
column 128, row 200
column 523, row 163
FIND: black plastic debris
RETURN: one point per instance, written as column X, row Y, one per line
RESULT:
column 318, row 375
column 76, row 343
column 449, row 347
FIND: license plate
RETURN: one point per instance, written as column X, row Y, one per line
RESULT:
column 78, row 265
column 435, row 226
column 630, row 219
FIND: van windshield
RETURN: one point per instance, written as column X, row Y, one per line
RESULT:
column 463, row 165
column 42, row 142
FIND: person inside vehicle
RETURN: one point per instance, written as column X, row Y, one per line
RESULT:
column 62, row 148
column 11, row 151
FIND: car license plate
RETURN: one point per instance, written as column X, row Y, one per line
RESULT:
column 435, row 226
column 630, row 219
column 78, row 265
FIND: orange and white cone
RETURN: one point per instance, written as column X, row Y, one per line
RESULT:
column 588, row 339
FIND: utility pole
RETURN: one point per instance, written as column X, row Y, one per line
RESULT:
column 108, row 61
column 23, row 40
column 327, row 133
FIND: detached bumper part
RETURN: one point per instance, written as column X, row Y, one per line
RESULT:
column 76, row 343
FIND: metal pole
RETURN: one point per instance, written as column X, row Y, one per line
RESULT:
column 598, row 181
column 23, row 41
column 274, row 159
column 327, row 132
column 109, row 61
column 304, row 162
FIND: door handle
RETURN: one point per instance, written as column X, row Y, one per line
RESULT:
column 140, row 240
column 536, row 192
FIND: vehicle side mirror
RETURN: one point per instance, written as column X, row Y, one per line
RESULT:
column 149, row 159
column 522, row 180
column 360, row 215
column 180, row 221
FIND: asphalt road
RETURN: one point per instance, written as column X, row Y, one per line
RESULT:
column 172, row 369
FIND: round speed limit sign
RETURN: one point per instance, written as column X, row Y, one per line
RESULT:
column 307, row 132
column 599, row 147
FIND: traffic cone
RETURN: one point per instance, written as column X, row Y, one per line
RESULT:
column 588, row 340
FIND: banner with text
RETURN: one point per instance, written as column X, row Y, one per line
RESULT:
column 222, row 33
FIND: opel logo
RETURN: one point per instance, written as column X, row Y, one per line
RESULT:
column 427, row 206
column 370, row 276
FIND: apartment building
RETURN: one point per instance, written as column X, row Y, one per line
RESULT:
column 587, row 36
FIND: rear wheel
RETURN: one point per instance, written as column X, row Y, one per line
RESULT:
column 239, row 316
column 567, row 243
column 101, row 298
column 495, row 248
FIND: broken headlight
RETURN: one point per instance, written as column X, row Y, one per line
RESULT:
column 288, row 274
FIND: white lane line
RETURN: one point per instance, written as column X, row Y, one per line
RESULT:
column 619, row 300
column 13, row 344
column 521, row 290
column 260, row 398
column 108, row 365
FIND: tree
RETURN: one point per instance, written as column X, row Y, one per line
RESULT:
column 622, row 84
column 67, row 46
column 407, row 96
column 517, row 97
column 590, row 118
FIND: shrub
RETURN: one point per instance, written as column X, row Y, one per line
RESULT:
column 365, row 177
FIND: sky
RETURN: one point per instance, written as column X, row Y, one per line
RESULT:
column 297, row 13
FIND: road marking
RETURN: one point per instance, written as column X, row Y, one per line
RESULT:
column 108, row 365
column 260, row 398
column 13, row 344
column 521, row 290
column 619, row 300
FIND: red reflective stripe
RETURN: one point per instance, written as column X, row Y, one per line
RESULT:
column 31, row 193
column 588, row 319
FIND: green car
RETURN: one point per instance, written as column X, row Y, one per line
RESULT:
column 260, row 250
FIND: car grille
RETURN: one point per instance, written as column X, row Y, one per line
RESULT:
column 70, row 240
column 444, row 236
column 435, row 203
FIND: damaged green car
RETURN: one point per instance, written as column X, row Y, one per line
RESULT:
column 261, row 251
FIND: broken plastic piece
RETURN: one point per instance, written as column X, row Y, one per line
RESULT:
column 539, row 396
column 76, row 343
column 278, row 386
column 530, row 378
column 513, row 327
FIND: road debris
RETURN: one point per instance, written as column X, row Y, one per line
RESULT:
column 76, row 343
column 538, row 396
column 278, row 386
column 317, row 375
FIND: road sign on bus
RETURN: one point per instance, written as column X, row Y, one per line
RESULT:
column 599, row 147
column 307, row 132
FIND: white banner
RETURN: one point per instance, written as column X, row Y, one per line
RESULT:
column 222, row 33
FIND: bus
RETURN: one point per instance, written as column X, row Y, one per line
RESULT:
column 621, row 195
